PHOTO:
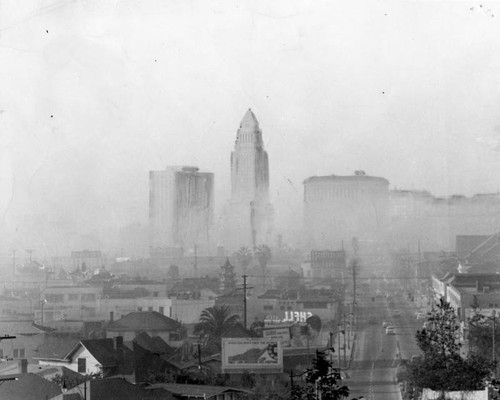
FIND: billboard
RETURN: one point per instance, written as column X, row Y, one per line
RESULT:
column 281, row 334
column 252, row 355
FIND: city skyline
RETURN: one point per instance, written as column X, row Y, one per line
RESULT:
column 336, row 90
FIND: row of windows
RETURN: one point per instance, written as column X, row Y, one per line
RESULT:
column 331, row 193
column 16, row 353
column 59, row 298
column 161, row 310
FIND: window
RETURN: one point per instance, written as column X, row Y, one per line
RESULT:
column 1, row 353
column 161, row 310
column 54, row 298
column 18, row 353
column 88, row 297
column 139, row 308
column 282, row 308
column 73, row 296
column 150, row 308
column 82, row 365
column 155, row 294
column 268, row 307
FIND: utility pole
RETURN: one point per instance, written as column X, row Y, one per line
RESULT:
column 245, row 301
column 493, row 355
column 354, row 281
column 199, row 356
column 338, row 344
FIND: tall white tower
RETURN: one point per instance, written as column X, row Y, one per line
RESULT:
column 249, row 214
column 249, row 163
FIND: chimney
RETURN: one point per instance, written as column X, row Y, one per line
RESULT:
column 111, row 317
column 23, row 366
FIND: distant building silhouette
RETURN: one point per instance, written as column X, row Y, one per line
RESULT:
column 249, row 213
column 339, row 208
column 181, row 208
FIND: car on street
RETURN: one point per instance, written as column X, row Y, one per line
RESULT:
column 390, row 330
column 385, row 324
column 420, row 316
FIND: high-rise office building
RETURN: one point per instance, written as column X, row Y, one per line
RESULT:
column 249, row 213
column 181, row 208
column 340, row 208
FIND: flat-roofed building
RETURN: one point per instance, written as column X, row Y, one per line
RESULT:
column 340, row 208
column 181, row 208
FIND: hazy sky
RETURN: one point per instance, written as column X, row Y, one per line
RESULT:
column 94, row 94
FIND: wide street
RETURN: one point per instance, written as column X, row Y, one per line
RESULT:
column 376, row 354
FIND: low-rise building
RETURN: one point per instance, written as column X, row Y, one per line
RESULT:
column 102, row 357
column 151, row 322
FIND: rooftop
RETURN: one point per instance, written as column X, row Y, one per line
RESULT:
column 144, row 320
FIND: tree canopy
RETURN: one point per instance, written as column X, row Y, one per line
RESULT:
column 442, row 367
column 322, row 381
column 214, row 321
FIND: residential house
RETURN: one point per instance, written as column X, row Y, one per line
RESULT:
column 104, row 357
column 151, row 322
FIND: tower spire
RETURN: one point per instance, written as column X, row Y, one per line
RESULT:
column 249, row 120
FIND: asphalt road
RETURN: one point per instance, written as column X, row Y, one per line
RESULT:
column 376, row 356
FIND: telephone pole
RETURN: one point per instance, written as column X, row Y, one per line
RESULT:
column 245, row 301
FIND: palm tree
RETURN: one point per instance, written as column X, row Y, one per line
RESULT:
column 214, row 321
column 244, row 257
column 264, row 255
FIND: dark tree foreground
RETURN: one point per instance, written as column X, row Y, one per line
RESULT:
column 322, row 381
column 442, row 368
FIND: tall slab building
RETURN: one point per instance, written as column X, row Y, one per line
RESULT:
column 181, row 208
column 249, row 213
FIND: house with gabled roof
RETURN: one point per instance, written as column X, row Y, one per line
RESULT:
column 151, row 322
column 96, row 356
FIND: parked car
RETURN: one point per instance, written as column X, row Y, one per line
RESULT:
column 420, row 316
column 385, row 324
column 390, row 330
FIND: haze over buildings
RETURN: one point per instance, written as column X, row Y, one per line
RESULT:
column 114, row 93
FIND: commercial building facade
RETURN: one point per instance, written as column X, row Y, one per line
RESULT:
column 181, row 208
column 340, row 208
